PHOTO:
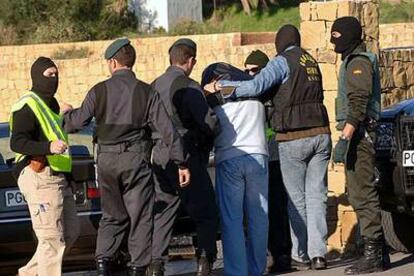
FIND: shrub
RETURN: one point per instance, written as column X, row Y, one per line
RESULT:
column 72, row 53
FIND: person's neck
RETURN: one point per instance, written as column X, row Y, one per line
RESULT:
column 121, row 68
column 182, row 67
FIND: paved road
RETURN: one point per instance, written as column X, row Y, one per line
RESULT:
column 402, row 265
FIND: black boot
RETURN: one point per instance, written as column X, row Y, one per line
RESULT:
column 137, row 271
column 204, row 266
column 373, row 259
column 156, row 269
column 103, row 267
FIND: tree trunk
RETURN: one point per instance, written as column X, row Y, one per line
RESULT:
column 246, row 6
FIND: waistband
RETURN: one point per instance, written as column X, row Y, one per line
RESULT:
column 138, row 146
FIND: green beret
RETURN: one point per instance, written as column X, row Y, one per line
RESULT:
column 184, row 41
column 257, row 58
column 115, row 47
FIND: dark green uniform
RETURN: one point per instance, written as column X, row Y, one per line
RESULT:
column 358, row 104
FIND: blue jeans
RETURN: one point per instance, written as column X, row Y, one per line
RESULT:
column 304, row 164
column 242, row 186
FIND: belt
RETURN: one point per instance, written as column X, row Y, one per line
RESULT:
column 124, row 147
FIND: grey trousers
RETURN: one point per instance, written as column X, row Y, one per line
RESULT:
column 126, row 186
column 198, row 200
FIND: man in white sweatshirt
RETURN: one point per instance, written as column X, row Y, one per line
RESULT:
column 241, row 159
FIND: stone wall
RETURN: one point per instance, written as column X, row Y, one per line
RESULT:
column 397, row 75
column 399, row 34
column 316, row 22
column 79, row 75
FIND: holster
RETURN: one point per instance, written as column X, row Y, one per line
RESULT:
column 38, row 163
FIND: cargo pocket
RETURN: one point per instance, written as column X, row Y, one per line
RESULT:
column 47, row 219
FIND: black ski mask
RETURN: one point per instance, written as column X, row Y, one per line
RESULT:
column 45, row 87
column 351, row 33
column 287, row 36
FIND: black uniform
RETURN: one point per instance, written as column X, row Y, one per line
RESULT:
column 126, row 111
column 195, row 122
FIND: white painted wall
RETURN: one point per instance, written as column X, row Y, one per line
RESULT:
column 180, row 10
column 167, row 13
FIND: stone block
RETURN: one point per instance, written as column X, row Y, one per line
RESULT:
column 397, row 95
column 305, row 11
column 370, row 17
column 349, row 228
column 313, row 34
column 410, row 92
column 327, row 11
column 327, row 56
column 329, row 76
column 329, row 45
column 336, row 182
column 329, row 102
column 387, row 80
column 335, row 237
column 344, row 8
column 409, row 69
column 399, row 74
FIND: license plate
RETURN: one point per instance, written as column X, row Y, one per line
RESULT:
column 408, row 158
column 14, row 198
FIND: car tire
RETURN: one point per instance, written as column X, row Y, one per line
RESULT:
column 398, row 231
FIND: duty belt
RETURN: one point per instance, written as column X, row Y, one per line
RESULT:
column 125, row 147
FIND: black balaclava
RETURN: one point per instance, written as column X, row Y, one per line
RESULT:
column 287, row 36
column 45, row 87
column 351, row 33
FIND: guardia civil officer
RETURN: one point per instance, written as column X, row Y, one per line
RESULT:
column 302, row 130
column 126, row 111
column 195, row 122
column 358, row 108
column 42, row 160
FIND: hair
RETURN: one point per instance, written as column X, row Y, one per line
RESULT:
column 126, row 56
column 179, row 54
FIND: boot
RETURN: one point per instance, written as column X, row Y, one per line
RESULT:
column 156, row 269
column 204, row 266
column 103, row 267
column 373, row 260
column 136, row 271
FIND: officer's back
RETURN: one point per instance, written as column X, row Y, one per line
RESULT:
column 126, row 110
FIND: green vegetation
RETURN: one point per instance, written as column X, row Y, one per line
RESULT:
column 45, row 21
column 72, row 53
column 396, row 13
column 37, row 21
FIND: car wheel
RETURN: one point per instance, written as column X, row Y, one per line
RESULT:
column 398, row 231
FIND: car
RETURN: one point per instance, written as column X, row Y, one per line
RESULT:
column 17, row 240
column 395, row 174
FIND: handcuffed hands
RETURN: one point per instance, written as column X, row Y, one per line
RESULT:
column 340, row 151
column 184, row 177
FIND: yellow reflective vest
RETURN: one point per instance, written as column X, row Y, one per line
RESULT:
column 51, row 125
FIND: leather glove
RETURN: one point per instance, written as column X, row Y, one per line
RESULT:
column 340, row 151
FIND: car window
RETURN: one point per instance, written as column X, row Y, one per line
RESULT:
column 5, row 151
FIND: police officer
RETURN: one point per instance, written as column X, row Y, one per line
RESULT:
column 358, row 108
column 195, row 122
column 42, row 159
column 126, row 111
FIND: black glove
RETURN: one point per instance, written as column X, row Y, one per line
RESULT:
column 340, row 151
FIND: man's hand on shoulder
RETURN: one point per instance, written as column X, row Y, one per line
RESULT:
column 211, row 88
